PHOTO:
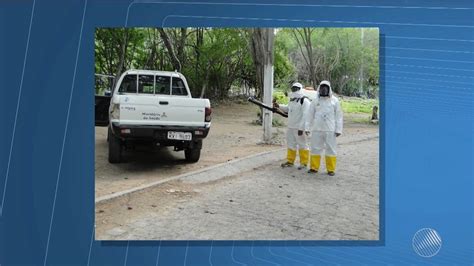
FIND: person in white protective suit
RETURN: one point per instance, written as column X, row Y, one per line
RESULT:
column 325, row 121
column 296, row 134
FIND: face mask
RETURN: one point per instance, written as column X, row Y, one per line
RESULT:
column 295, row 89
column 324, row 91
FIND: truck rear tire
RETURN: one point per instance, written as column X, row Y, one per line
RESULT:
column 115, row 148
column 192, row 155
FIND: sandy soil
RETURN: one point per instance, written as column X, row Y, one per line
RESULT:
column 232, row 136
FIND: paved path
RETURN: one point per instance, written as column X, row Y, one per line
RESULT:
column 262, row 201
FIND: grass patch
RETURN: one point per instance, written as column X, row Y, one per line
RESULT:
column 358, row 118
column 358, row 105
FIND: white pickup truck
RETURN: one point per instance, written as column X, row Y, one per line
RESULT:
column 156, row 109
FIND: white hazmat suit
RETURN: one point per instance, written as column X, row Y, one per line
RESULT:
column 325, row 121
column 297, row 109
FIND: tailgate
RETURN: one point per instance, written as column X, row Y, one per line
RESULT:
column 162, row 110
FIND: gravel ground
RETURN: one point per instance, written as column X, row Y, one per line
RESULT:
column 263, row 203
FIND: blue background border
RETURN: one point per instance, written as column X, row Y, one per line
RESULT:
column 47, row 136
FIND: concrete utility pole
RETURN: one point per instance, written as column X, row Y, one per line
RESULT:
column 268, row 85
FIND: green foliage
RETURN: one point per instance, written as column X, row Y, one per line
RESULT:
column 218, row 61
column 284, row 69
column 118, row 49
column 280, row 97
column 339, row 55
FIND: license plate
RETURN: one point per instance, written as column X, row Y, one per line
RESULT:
column 179, row 135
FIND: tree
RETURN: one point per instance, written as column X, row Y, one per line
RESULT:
column 170, row 48
column 336, row 55
column 115, row 50
column 218, row 61
column 262, row 53
column 304, row 39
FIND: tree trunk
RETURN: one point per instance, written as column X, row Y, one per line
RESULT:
column 181, row 44
column 204, row 85
column 171, row 53
column 262, row 53
column 303, row 38
column 197, row 51
column 123, row 53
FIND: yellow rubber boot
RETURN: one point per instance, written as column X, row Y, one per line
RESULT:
column 290, row 157
column 304, row 156
column 331, row 164
column 315, row 162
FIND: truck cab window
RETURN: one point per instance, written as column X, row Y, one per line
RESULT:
column 145, row 84
column 162, row 85
column 129, row 84
column 178, row 87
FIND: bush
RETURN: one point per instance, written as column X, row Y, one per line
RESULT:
column 280, row 97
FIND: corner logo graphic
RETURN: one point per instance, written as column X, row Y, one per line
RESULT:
column 426, row 242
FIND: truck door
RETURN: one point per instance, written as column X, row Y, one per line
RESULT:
column 103, row 86
column 102, row 110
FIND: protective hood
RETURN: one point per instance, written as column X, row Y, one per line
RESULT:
column 297, row 85
column 296, row 94
column 325, row 82
column 299, row 92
